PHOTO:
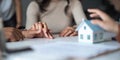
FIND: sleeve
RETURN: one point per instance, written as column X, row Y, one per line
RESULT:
column 32, row 14
column 118, row 35
column 77, row 12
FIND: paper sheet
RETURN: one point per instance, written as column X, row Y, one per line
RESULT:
column 72, row 49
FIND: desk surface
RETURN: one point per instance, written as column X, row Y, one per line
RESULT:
column 40, row 41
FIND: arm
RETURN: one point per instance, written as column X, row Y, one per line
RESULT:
column 106, row 23
column 77, row 12
column 18, row 13
column 32, row 14
column 118, row 35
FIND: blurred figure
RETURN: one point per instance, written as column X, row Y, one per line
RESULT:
column 61, row 16
column 104, row 5
column 106, row 22
column 116, row 4
column 11, row 12
column 13, row 34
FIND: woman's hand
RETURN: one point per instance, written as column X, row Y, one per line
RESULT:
column 106, row 23
column 43, row 30
column 69, row 31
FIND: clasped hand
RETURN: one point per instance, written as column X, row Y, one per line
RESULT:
column 45, row 32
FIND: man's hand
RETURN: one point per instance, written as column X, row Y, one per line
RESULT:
column 69, row 31
column 13, row 34
column 106, row 23
column 30, row 33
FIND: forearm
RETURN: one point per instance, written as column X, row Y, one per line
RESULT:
column 18, row 11
column 118, row 35
column 78, row 12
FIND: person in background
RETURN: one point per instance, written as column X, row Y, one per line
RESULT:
column 13, row 34
column 11, row 12
column 61, row 16
column 107, row 22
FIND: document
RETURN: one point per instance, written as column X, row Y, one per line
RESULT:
column 73, row 49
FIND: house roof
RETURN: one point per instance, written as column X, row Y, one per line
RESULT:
column 92, row 26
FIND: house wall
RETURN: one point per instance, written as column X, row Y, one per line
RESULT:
column 85, row 32
column 98, row 36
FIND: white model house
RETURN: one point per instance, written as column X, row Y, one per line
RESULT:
column 87, row 32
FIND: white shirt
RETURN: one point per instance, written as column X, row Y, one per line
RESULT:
column 55, row 16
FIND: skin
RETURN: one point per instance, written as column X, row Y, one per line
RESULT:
column 18, row 13
column 43, row 30
column 106, row 23
column 13, row 34
column 68, row 31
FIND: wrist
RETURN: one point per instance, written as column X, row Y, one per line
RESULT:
column 117, row 28
column 118, row 34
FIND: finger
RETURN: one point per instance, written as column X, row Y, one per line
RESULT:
column 98, row 22
column 100, row 13
column 33, row 32
column 45, row 34
column 50, row 35
column 40, row 26
column 63, row 32
column 94, row 15
column 14, row 38
column 45, row 27
column 36, row 26
column 68, row 33
column 45, row 30
column 74, row 34
column 19, row 34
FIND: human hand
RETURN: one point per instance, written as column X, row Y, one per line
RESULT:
column 13, row 34
column 106, row 23
column 30, row 33
column 69, row 31
column 43, row 30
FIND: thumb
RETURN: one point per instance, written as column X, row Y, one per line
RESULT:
column 34, row 31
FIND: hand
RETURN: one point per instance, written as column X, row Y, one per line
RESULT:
column 106, row 23
column 43, row 29
column 13, row 34
column 69, row 31
column 30, row 33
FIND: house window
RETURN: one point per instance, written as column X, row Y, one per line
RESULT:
column 101, row 35
column 84, row 27
column 95, row 36
column 81, row 36
column 88, row 37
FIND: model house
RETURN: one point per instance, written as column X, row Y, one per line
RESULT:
column 90, row 33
